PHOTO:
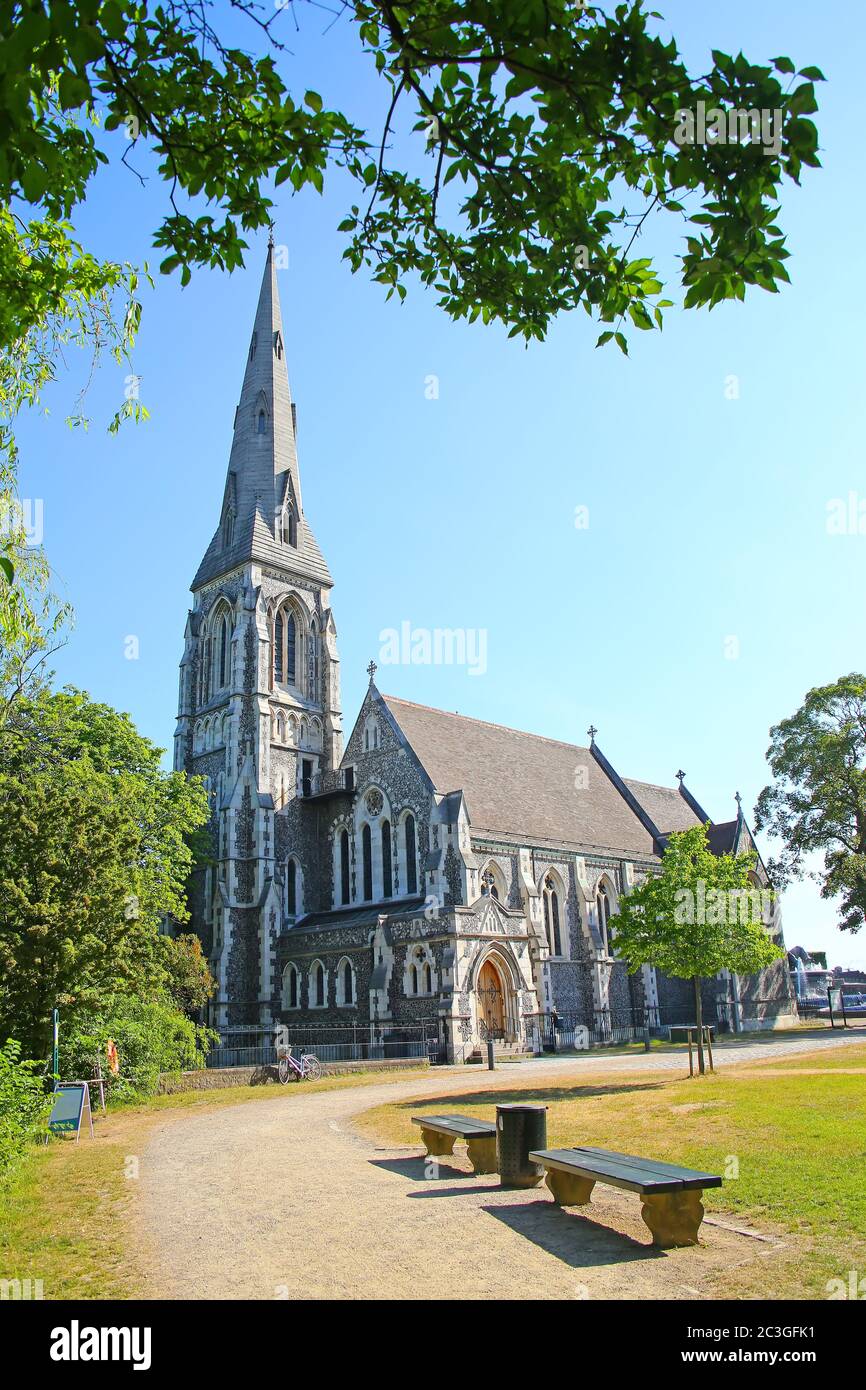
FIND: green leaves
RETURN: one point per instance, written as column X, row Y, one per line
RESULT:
column 701, row 914
column 544, row 115
column 540, row 129
column 816, row 803
column 88, row 821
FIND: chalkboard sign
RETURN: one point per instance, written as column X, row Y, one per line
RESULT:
column 71, row 1100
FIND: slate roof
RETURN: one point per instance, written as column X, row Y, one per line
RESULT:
column 665, row 807
column 519, row 785
column 722, row 838
column 366, row 916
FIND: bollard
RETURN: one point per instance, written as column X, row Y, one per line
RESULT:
column 491, row 1063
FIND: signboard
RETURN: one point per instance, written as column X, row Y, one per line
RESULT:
column 71, row 1102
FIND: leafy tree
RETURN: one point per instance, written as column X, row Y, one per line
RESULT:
column 547, row 111
column 93, row 853
column 188, row 981
column 700, row 914
column 816, row 803
column 560, row 125
column 25, row 1105
column 151, row 1037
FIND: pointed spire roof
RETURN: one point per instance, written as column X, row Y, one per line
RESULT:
column 263, row 477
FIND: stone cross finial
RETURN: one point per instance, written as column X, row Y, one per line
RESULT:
column 681, row 775
column 739, row 801
column 371, row 670
column 592, row 731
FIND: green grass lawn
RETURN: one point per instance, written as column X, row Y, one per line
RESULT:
column 792, row 1148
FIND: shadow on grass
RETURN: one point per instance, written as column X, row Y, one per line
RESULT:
column 536, row 1095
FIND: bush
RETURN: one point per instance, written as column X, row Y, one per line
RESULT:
column 25, row 1105
column 151, row 1038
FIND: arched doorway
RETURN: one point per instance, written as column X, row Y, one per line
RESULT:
column 491, row 1002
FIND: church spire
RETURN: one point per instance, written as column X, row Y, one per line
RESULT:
column 262, row 515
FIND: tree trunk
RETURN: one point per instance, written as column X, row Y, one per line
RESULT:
column 699, row 1019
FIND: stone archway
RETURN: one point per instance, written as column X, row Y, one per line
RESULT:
column 496, row 1001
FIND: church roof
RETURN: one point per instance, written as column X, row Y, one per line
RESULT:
column 666, row 808
column 722, row 838
column 263, row 473
column 521, row 785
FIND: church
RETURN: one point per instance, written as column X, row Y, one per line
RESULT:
column 430, row 867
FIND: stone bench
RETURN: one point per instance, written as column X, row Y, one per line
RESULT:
column 440, row 1131
column 672, row 1206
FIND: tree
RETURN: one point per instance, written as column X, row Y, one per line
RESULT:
column 567, row 129
column 188, row 981
column 817, row 801
column 94, row 852
column 700, row 914
column 546, row 110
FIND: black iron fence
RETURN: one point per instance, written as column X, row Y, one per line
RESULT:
column 351, row 1042
column 559, row 1032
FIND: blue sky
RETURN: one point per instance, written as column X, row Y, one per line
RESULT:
column 707, row 515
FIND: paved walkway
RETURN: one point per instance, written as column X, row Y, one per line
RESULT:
column 283, row 1199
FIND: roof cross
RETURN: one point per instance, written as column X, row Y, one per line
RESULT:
column 680, row 775
column 371, row 670
column 592, row 731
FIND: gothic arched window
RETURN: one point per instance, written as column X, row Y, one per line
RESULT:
column 490, row 884
column 367, row 848
column 348, row 984
column 260, row 427
column 344, row 866
column 428, row 979
column 313, row 664
column 292, row 888
column 413, row 976
column 387, row 882
column 290, row 987
column 278, row 647
column 551, row 917
column 411, row 856
column 317, row 991
column 602, row 902
column 224, row 651
column 291, row 649
column 286, row 647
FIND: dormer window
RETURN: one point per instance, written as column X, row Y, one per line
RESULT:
column 253, row 341
column 278, row 346
column 289, row 526
column 228, row 529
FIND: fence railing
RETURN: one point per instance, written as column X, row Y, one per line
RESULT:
column 246, row 1047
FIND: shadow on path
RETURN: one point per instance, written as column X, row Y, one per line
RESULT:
column 576, row 1240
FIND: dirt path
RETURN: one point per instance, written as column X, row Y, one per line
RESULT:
column 283, row 1199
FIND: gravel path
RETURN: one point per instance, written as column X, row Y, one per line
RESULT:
column 282, row 1199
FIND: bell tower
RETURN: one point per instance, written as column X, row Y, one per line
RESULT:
column 259, row 713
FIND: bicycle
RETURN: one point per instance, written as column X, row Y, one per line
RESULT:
column 308, row 1068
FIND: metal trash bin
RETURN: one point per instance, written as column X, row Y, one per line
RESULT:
column 519, row 1129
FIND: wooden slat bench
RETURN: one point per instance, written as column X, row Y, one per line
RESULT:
column 440, row 1131
column 672, row 1206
